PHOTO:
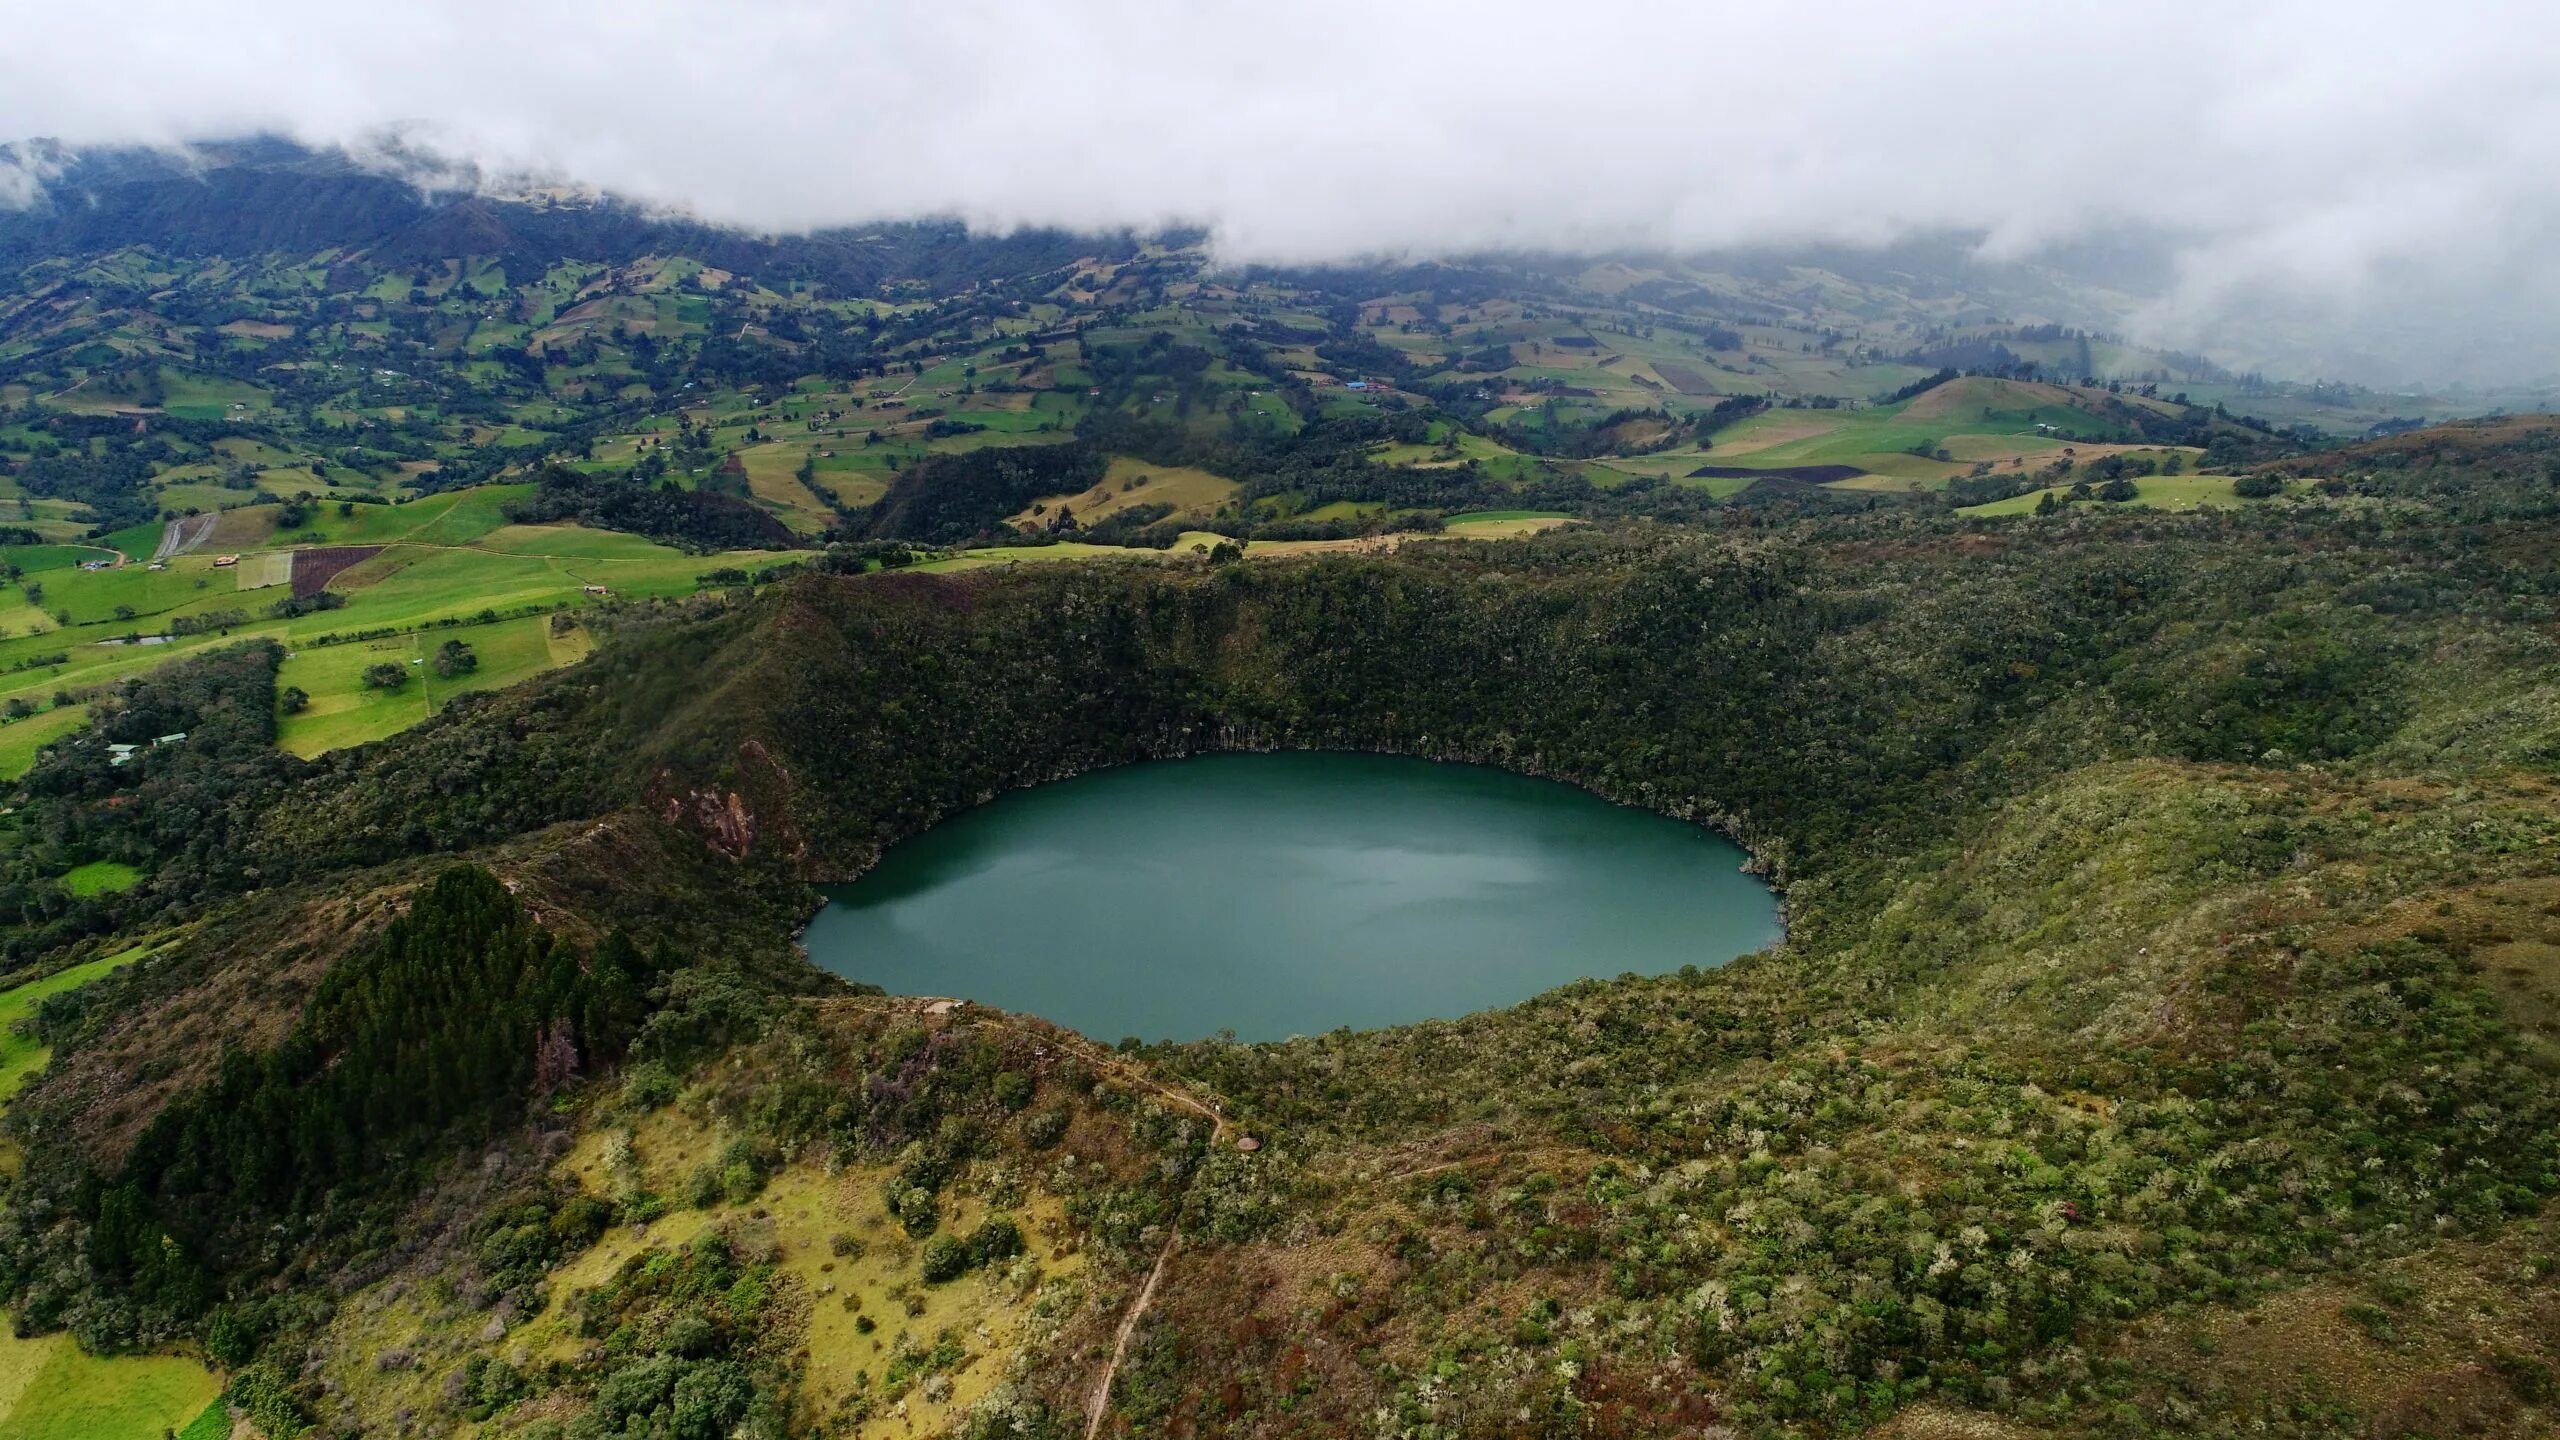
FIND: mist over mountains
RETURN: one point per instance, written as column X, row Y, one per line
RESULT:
column 2309, row 190
column 265, row 195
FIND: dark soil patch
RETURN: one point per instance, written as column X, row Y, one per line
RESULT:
column 314, row 569
column 1684, row 379
column 1810, row 474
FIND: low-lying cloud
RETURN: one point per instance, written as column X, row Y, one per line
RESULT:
column 2357, row 186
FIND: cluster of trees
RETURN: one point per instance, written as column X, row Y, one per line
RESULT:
column 462, row 1012
column 943, row 499
column 182, row 811
column 666, row 512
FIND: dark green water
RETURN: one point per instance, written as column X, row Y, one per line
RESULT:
column 1288, row 894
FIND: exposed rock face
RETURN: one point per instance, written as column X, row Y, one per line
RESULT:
column 720, row 815
column 730, row 817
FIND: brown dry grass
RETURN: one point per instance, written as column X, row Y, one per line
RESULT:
column 1194, row 494
column 241, row 529
column 2423, row 1345
column 1958, row 396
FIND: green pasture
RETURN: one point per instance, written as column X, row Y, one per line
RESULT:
column 197, row 396
column 344, row 711
column 51, row 1390
column 100, row 877
column 2152, row 492
column 21, row 739
column 571, row 542
column 135, row 542
column 95, row 596
column 453, row 517
column 35, row 559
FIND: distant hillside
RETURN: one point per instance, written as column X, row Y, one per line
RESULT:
column 2504, row 441
column 266, row 198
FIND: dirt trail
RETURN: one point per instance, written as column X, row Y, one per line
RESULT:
column 1120, row 1068
column 1098, row 1401
column 1513, row 1153
column 182, row 535
column 1098, row 1404
column 1117, row 1067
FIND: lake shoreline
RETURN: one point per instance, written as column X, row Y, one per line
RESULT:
column 1487, row 885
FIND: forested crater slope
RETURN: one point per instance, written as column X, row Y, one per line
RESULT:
column 2173, row 903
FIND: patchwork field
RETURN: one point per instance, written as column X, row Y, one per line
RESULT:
column 444, row 566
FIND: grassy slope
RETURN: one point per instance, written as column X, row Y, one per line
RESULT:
column 20, row 739
column 50, row 1390
column 1194, row 494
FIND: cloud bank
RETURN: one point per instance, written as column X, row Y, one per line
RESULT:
column 2369, row 188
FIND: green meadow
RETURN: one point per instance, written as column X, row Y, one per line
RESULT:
column 20, row 739
column 100, row 877
column 2152, row 492
column 51, row 1390
column 343, row 710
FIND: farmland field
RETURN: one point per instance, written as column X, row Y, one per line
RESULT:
column 344, row 711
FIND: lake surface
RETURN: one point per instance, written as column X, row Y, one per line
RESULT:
column 1288, row 894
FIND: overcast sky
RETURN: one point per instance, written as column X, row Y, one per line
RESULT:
column 2354, row 178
